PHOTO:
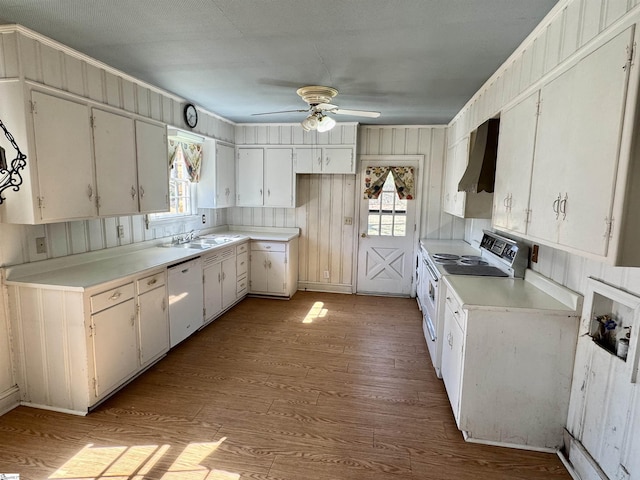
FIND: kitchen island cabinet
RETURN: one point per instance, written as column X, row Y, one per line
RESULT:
column 507, row 358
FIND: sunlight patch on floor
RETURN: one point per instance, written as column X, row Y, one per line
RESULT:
column 317, row 311
column 135, row 463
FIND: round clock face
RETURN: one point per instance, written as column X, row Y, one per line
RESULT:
column 190, row 115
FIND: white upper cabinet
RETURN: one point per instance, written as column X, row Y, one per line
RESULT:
column 63, row 157
column 514, row 164
column 325, row 160
column 153, row 167
column 115, row 156
column 279, row 178
column 577, row 150
column 216, row 188
column 265, row 177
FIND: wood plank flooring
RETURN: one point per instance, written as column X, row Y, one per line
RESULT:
column 322, row 387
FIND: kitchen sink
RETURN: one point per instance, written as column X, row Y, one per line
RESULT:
column 190, row 245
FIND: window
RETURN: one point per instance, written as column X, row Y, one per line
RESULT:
column 387, row 213
column 181, row 191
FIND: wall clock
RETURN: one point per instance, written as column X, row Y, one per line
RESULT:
column 190, row 115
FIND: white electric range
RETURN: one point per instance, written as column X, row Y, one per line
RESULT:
column 497, row 256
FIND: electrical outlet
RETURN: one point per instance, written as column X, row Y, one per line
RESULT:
column 204, row 218
column 120, row 231
column 326, row 274
column 41, row 245
column 348, row 220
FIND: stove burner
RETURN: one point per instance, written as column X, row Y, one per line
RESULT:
column 445, row 256
column 472, row 261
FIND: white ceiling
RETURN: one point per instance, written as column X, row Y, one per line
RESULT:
column 416, row 61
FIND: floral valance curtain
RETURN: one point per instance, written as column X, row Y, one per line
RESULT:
column 192, row 154
column 403, row 178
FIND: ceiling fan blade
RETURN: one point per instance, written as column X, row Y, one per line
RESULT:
column 281, row 111
column 326, row 106
column 355, row 113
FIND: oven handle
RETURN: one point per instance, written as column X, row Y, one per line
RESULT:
column 432, row 274
column 432, row 330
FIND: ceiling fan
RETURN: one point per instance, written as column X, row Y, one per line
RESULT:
column 319, row 98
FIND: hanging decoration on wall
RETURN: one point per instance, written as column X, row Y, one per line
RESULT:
column 10, row 174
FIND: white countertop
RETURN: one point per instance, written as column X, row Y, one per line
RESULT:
column 95, row 268
column 503, row 294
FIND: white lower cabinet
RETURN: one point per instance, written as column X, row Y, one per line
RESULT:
column 222, row 273
column 75, row 347
column 153, row 320
column 274, row 268
column 115, row 350
column 507, row 368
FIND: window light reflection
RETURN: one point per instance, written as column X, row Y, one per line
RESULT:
column 135, row 463
column 317, row 311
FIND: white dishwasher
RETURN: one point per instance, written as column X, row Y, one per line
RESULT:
column 185, row 299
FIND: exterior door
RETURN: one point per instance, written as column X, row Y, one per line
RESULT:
column 387, row 238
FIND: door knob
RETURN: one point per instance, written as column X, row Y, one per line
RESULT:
column 364, row 235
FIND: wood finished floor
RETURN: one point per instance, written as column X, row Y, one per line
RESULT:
column 260, row 394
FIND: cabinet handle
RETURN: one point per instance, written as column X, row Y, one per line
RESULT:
column 265, row 264
column 141, row 191
column 153, row 281
column 241, row 263
column 260, row 192
column 556, row 206
column 450, row 339
column 241, row 285
column 328, row 159
column 269, row 263
column 224, row 275
column 90, row 191
column 133, row 320
column 185, row 270
column 164, row 304
column 563, row 207
column 133, row 192
column 506, row 202
column 219, row 279
column 116, row 295
column 319, row 160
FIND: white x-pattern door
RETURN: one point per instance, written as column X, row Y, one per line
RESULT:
column 387, row 241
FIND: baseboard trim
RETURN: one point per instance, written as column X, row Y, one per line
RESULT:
column 518, row 446
column 324, row 287
column 54, row 409
column 9, row 399
column 583, row 465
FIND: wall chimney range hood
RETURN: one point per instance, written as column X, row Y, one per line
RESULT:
column 481, row 168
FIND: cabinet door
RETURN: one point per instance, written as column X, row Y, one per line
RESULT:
column 229, row 282
column 225, row 176
column 250, row 177
column 207, row 192
column 338, row 160
column 258, row 273
column 278, row 177
column 276, row 272
column 115, row 146
column 212, row 290
column 308, row 160
column 115, row 349
column 457, row 156
column 153, row 167
column 452, row 351
column 577, row 144
column 153, row 325
column 64, row 158
column 514, row 165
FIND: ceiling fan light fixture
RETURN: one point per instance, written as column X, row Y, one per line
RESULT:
column 309, row 123
column 325, row 123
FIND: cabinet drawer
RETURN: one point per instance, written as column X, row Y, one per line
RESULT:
column 454, row 305
column 269, row 246
column 242, row 286
column 242, row 261
column 242, row 248
column 111, row 297
column 152, row 281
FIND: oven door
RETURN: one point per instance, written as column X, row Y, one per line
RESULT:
column 430, row 313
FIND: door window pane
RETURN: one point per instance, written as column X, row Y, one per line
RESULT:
column 387, row 213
